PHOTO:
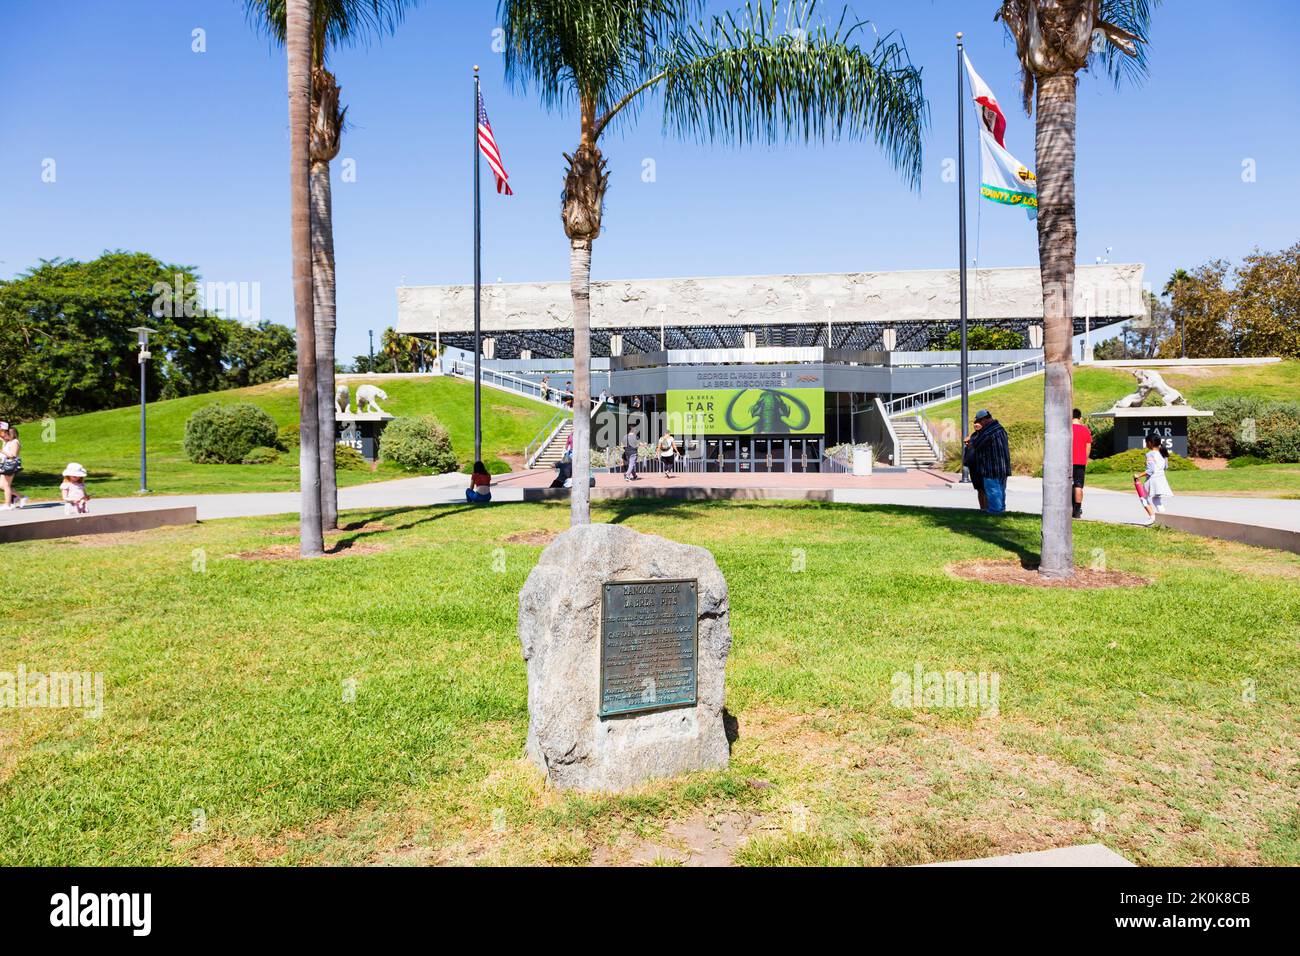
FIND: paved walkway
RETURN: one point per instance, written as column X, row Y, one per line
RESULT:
column 918, row 489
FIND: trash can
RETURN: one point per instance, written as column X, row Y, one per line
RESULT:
column 863, row 458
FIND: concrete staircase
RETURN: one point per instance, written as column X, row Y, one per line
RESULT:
column 553, row 451
column 914, row 449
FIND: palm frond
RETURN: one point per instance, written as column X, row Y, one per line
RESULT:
column 334, row 22
column 749, row 78
column 1127, row 25
column 593, row 50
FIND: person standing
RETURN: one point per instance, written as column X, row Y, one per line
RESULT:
column 1082, row 436
column 630, row 444
column 968, row 462
column 11, row 463
column 546, row 388
column 1157, row 485
column 991, row 453
column 667, row 447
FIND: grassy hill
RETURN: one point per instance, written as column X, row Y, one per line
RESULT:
column 107, row 442
column 1096, row 389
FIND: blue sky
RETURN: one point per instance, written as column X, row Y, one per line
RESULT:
column 183, row 155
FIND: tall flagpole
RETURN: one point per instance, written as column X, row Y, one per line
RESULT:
column 478, row 289
column 961, row 232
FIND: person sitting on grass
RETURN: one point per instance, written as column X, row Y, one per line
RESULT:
column 76, row 499
column 480, row 485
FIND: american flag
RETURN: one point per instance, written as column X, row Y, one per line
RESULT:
column 488, row 144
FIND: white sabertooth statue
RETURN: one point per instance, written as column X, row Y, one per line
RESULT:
column 1148, row 382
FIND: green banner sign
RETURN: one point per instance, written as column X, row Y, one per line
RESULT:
column 747, row 411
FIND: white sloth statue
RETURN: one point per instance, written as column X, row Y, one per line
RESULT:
column 366, row 395
column 341, row 399
column 1149, row 382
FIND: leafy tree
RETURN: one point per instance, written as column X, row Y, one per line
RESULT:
column 981, row 337
column 258, row 353
column 731, row 78
column 1266, row 304
column 67, row 347
column 1200, row 307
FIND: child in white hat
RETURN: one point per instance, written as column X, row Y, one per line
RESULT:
column 73, row 489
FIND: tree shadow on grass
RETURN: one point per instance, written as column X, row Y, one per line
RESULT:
column 1005, row 531
column 625, row 508
column 359, row 525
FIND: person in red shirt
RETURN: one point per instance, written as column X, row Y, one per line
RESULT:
column 1082, row 435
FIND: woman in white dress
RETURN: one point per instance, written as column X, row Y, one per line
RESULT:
column 1157, row 485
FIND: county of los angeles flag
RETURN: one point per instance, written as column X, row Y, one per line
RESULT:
column 991, row 115
column 1005, row 179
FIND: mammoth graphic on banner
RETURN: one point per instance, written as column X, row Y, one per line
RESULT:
column 739, row 401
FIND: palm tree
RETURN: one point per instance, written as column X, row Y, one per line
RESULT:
column 298, row 46
column 731, row 78
column 334, row 23
column 1054, row 40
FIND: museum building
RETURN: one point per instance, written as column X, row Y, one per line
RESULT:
column 769, row 372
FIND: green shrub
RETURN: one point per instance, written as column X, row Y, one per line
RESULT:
column 1245, row 461
column 1134, row 461
column 288, row 438
column 347, row 458
column 418, row 444
column 1280, row 445
column 261, row 455
column 1247, row 426
column 226, row 433
column 1103, row 436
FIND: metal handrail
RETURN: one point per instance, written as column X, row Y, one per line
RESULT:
column 543, row 438
column 889, row 430
column 941, row 393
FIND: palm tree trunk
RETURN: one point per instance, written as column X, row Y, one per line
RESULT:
column 322, row 270
column 298, row 45
column 580, row 288
column 1057, row 239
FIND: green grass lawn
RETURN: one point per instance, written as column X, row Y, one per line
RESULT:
column 108, row 443
column 1255, row 481
column 371, row 708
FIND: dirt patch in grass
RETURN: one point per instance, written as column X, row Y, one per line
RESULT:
column 1210, row 464
column 539, row 537
column 340, row 549
column 1012, row 571
column 702, row 840
column 351, row 528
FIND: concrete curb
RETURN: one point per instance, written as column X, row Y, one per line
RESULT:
column 67, row 526
column 1258, row 535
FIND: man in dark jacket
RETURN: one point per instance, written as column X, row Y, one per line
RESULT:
column 990, row 455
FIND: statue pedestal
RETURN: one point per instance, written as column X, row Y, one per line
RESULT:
column 361, row 430
column 1168, row 422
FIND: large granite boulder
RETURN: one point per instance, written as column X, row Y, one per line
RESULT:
column 560, row 610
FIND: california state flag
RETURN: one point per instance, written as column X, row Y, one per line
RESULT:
column 995, row 121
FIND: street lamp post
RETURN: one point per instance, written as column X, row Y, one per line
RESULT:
column 143, row 332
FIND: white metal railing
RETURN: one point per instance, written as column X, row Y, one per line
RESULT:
column 543, row 439
column 942, row 393
column 894, row 447
column 509, row 383
column 927, row 429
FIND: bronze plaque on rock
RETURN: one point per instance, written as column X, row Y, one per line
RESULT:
column 648, row 645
